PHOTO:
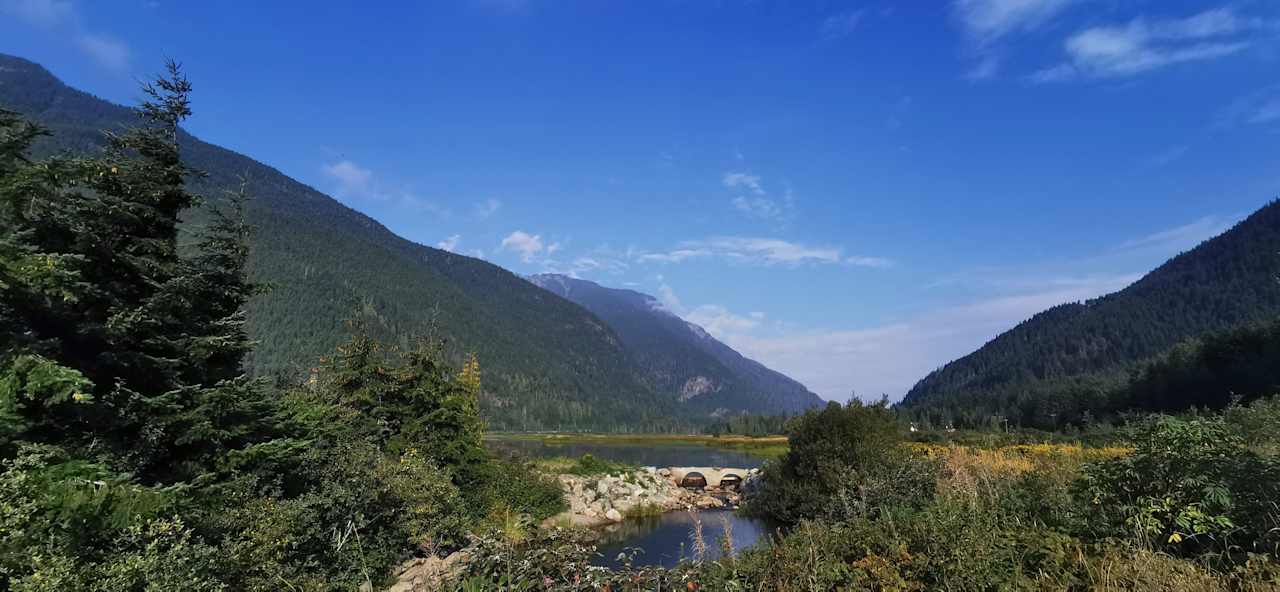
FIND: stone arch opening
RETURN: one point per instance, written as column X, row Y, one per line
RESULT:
column 694, row 480
column 730, row 481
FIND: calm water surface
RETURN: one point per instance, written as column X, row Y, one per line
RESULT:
column 656, row 540
column 648, row 455
column 665, row 540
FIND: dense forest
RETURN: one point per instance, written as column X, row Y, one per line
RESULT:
column 550, row 364
column 1079, row 358
column 681, row 359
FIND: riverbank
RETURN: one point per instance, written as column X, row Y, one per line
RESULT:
column 646, row 449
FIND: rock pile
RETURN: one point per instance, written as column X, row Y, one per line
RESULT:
column 599, row 500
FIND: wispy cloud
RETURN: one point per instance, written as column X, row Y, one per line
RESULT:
column 987, row 21
column 352, row 178
column 758, row 207
column 450, row 244
column 1167, row 156
column 986, row 24
column 528, row 246
column 42, row 13
column 757, row 203
column 1143, row 45
column 887, row 358
column 486, row 208
column 585, row 264
column 63, row 18
column 1180, row 238
column 355, row 181
column 743, row 181
column 1261, row 107
column 760, row 251
column 841, row 25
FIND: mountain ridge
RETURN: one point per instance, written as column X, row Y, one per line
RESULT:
column 681, row 359
column 1058, row 360
column 549, row 363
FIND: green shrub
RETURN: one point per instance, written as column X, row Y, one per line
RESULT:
column 361, row 513
column 844, row 460
column 1191, row 485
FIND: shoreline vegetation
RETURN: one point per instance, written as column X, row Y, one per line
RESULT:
column 765, row 447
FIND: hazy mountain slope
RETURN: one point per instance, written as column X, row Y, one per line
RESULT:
column 680, row 358
column 547, row 362
column 1068, row 354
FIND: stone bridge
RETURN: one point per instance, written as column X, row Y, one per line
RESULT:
column 699, row 477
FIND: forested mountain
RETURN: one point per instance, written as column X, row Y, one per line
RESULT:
column 548, row 363
column 1081, row 356
column 681, row 359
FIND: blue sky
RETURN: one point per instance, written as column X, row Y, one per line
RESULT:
column 851, row 192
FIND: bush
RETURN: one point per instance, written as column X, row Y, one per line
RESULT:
column 845, row 460
column 361, row 513
column 1191, row 485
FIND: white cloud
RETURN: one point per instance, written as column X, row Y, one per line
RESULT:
column 743, row 181
column 840, row 25
column 42, row 13
column 887, row 358
column 1167, row 156
column 985, row 69
column 758, row 207
column 673, row 256
column 487, row 208
column 450, row 244
column 62, row 17
column 353, row 179
column 1267, row 112
column 1180, row 238
column 1143, row 45
column 1261, row 107
column 718, row 320
column 529, row 246
column 584, row 264
column 760, row 251
column 986, row 21
column 109, row 52
column 861, row 261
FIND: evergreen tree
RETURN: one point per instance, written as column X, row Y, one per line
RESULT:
column 115, row 345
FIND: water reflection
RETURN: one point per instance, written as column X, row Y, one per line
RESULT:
column 669, row 538
column 652, row 455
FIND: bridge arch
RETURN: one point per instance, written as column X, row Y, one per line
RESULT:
column 694, row 480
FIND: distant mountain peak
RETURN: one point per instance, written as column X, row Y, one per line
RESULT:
column 681, row 358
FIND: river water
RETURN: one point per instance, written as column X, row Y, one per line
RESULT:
column 646, row 455
column 668, row 538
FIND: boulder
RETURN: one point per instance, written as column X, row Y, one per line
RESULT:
column 614, row 515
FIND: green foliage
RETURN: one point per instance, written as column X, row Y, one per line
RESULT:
column 123, row 404
column 1048, row 371
column 1210, row 372
column 848, row 459
column 158, row 555
column 359, row 512
column 588, row 465
column 750, row 425
column 1190, row 485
